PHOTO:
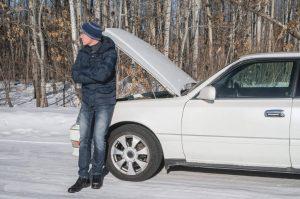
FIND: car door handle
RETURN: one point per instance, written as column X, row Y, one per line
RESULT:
column 274, row 113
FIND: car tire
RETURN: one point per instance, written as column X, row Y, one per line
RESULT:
column 140, row 159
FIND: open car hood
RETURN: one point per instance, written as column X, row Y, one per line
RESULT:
column 154, row 62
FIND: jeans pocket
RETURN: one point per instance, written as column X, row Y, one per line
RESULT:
column 105, row 89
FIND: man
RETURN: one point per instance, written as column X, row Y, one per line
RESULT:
column 94, row 68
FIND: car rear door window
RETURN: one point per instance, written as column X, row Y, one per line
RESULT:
column 257, row 80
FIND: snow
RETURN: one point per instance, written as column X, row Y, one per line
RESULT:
column 36, row 162
column 22, row 95
column 37, row 123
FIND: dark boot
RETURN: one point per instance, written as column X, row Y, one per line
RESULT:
column 105, row 171
column 80, row 183
column 97, row 182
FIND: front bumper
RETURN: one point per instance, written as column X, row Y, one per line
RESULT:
column 74, row 137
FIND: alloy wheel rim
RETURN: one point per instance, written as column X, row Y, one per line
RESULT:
column 130, row 154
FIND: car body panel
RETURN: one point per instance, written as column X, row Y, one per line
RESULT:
column 161, row 116
column 295, row 134
column 154, row 62
column 236, row 131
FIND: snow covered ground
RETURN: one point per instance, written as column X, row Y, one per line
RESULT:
column 22, row 95
column 36, row 162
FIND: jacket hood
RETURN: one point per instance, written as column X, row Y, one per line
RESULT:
column 106, row 44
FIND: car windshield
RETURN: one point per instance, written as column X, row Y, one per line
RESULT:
column 200, row 82
column 195, row 86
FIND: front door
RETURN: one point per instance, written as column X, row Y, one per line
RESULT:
column 295, row 128
column 248, row 123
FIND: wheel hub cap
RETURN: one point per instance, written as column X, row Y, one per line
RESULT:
column 130, row 154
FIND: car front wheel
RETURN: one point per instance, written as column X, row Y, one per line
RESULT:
column 134, row 153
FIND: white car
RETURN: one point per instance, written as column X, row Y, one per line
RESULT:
column 246, row 116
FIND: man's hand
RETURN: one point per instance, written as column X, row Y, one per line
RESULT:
column 77, row 74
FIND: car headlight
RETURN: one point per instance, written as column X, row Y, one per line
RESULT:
column 75, row 135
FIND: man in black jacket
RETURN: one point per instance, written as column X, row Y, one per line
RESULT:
column 95, row 69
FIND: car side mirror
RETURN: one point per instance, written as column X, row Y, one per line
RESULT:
column 207, row 93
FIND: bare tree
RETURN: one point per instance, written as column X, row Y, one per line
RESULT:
column 201, row 36
column 186, row 31
column 36, row 26
column 6, row 80
column 168, row 6
column 73, row 29
column 78, row 12
column 97, row 8
column 197, row 9
column 291, row 29
column 126, row 16
column 258, row 29
column 271, row 33
column 210, row 32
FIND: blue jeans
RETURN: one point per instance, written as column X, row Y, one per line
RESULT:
column 94, row 122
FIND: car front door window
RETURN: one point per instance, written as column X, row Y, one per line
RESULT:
column 257, row 80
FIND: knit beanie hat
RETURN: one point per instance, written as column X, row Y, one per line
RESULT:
column 92, row 30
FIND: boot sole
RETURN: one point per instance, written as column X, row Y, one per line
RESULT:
column 96, row 187
column 79, row 189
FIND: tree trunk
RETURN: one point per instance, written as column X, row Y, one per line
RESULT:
column 231, row 50
column 73, row 29
column 75, row 25
column 42, row 61
column 7, row 97
column 291, row 30
column 36, row 85
column 186, row 31
column 126, row 16
column 40, row 55
column 27, row 60
column 271, row 33
column 105, row 13
column 78, row 15
column 120, row 14
column 197, row 9
column 6, row 84
column 85, row 8
column 258, row 31
column 210, row 34
column 287, row 18
column 97, row 10
column 168, row 6
column 112, row 13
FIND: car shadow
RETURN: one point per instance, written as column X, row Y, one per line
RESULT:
column 234, row 172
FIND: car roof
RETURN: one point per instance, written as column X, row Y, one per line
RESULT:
column 277, row 55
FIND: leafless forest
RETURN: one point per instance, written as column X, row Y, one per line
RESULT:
column 39, row 39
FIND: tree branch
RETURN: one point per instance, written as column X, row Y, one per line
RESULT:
column 291, row 30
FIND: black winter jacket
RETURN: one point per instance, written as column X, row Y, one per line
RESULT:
column 96, row 71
